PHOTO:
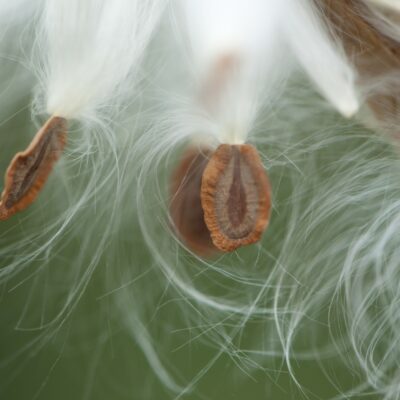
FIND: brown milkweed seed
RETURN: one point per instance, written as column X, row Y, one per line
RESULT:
column 185, row 207
column 235, row 195
column 29, row 170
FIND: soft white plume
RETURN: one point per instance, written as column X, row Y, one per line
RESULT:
column 234, row 46
column 390, row 4
column 242, row 52
column 320, row 55
column 92, row 48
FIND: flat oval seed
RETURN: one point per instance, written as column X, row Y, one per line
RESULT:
column 235, row 195
column 185, row 206
column 29, row 170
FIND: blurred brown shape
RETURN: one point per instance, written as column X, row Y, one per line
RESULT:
column 185, row 207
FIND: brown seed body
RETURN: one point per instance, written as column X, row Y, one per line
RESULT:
column 236, row 196
column 185, row 207
column 29, row 170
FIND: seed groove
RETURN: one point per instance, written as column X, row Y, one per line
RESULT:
column 235, row 195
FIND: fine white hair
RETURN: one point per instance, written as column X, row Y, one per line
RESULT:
column 96, row 255
column 91, row 52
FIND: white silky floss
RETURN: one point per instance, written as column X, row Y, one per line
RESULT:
column 92, row 50
column 245, row 51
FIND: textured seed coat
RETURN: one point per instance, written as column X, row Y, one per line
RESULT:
column 29, row 170
column 235, row 195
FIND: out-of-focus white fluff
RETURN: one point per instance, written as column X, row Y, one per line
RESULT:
column 91, row 50
column 264, row 40
column 320, row 56
column 385, row 16
column 390, row 4
column 243, row 36
column 13, row 12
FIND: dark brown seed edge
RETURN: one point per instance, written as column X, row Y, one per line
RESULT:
column 211, row 181
column 29, row 170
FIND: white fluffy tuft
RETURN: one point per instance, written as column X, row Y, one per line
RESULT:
column 92, row 49
column 390, row 4
column 320, row 56
column 242, row 52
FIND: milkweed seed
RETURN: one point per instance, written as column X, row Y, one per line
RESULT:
column 29, row 170
column 235, row 196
